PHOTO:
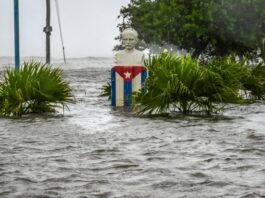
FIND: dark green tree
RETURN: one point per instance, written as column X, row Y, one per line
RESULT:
column 202, row 27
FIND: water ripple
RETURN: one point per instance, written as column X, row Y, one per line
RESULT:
column 97, row 151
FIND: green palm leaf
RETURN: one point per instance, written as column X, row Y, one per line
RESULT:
column 35, row 88
column 180, row 83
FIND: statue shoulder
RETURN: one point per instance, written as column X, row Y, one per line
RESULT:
column 140, row 54
column 119, row 56
column 139, row 51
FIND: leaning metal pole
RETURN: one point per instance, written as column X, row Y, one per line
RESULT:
column 48, row 29
column 16, row 31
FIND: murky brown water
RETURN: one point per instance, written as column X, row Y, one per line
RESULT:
column 95, row 151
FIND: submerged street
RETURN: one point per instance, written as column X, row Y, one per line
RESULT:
column 96, row 151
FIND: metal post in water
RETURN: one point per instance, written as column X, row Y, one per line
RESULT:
column 48, row 29
column 16, row 31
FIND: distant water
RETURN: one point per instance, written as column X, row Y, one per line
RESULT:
column 71, row 63
column 96, row 152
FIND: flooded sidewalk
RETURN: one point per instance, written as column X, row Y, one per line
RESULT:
column 95, row 151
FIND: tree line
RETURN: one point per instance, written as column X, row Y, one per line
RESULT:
column 201, row 27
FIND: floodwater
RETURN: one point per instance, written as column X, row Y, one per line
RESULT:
column 95, row 151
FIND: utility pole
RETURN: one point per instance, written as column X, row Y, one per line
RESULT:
column 48, row 29
column 16, row 31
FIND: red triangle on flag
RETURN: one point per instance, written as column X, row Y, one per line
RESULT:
column 128, row 72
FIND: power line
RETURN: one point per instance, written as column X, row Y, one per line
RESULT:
column 60, row 27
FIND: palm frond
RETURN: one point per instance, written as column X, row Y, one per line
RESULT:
column 181, row 83
column 35, row 88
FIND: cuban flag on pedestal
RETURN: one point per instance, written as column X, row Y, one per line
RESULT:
column 124, row 81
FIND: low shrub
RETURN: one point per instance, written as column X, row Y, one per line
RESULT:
column 186, row 85
column 180, row 83
column 35, row 88
column 254, row 83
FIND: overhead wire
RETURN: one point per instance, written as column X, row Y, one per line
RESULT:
column 60, row 28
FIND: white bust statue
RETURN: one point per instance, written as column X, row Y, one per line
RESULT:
column 129, row 56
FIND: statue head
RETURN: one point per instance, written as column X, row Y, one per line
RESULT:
column 129, row 38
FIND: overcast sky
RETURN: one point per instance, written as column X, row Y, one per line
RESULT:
column 88, row 26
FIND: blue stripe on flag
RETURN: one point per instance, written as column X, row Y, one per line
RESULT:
column 127, row 93
column 143, row 78
column 113, row 88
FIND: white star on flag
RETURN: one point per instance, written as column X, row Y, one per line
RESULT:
column 127, row 74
